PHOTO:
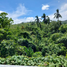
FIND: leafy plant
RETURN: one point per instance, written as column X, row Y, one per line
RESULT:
column 7, row 48
column 63, row 28
column 29, row 51
column 37, row 54
column 5, row 21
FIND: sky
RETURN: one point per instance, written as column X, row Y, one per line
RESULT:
column 26, row 10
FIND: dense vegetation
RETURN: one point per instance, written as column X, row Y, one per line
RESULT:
column 33, row 43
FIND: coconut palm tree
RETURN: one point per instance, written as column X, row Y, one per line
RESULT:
column 57, row 15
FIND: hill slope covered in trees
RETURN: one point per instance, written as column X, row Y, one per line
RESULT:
column 34, row 43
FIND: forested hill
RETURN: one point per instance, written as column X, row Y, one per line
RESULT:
column 34, row 43
column 64, row 22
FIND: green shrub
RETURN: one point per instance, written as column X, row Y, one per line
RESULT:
column 48, row 61
column 57, row 49
column 38, row 35
column 9, row 33
column 10, row 37
column 63, row 28
column 31, row 28
column 24, row 34
column 23, row 42
column 26, row 43
column 7, row 48
column 54, row 26
column 56, row 36
column 29, row 51
column 20, row 50
column 40, row 46
column 33, row 33
column 1, row 30
column 37, row 54
column 1, row 36
column 63, row 39
column 44, row 51
column 4, row 33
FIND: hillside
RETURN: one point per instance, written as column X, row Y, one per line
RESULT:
column 64, row 22
column 33, row 43
column 30, row 40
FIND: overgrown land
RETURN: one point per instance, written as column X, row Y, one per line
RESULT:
column 34, row 43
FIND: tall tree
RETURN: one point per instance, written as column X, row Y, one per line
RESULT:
column 57, row 15
column 37, row 20
column 48, row 20
column 5, row 21
column 44, row 16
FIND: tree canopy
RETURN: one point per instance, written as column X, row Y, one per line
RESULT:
column 4, row 20
column 57, row 15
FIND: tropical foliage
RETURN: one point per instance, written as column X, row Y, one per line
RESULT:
column 34, row 43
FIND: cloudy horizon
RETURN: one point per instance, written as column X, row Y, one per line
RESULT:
column 25, row 11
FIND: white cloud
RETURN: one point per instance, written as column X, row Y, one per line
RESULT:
column 21, row 10
column 52, row 17
column 1, row 11
column 28, row 19
column 62, row 11
column 45, row 7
